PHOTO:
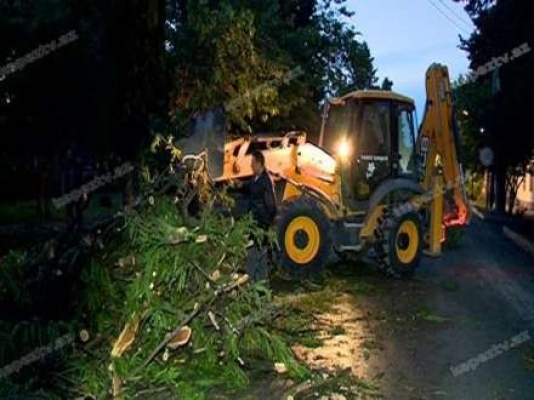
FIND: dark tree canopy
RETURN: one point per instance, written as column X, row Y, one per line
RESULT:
column 503, row 27
column 142, row 65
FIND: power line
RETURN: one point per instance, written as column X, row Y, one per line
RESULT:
column 453, row 12
column 452, row 21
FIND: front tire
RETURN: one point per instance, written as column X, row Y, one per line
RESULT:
column 304, row 237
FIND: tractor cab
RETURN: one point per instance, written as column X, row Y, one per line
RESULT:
column 372, row 135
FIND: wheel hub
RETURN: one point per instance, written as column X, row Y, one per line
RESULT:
column 403, row 241
column 301, row 239
column 407, row 242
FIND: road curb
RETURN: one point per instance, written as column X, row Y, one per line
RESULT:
column 519, row 240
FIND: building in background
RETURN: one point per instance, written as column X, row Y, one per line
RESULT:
column 525, row 193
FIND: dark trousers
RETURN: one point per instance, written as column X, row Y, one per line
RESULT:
column 257, row 262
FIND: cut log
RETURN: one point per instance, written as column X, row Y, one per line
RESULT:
column 180, row 339
column 126, row 338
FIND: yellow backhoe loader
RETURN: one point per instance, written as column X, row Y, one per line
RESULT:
column 371, row 183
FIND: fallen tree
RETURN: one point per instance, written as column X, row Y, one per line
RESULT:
column 161, row 305
column 190, row 319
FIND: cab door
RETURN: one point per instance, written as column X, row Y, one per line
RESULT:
column 373, row 148
column 404, row 157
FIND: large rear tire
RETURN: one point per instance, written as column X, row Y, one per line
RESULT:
column 304, row 237
column 399, row 244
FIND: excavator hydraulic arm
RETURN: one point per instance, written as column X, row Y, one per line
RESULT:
column 438, row 146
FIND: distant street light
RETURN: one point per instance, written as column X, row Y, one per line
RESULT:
column 482, row 130
column 465, row 112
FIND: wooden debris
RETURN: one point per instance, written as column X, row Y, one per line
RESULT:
column 280, row 368
column 116, row 384
column 201, row 239
column 181, row 236
column 126, row 338
column 215, row 275
column 221, row 260
column 84, row 335
column 213, row 320
column 241, row 280
column 179, row 339
column 166, row 355
column 126, row 261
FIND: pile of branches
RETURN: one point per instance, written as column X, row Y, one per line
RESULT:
column 164, row 305
column 187, row 318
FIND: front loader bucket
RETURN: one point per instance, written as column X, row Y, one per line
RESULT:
column 207, row 134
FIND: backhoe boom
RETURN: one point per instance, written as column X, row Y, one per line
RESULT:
column 438, row 146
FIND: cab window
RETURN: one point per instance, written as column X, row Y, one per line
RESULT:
column 406, row 142
column 375, row 135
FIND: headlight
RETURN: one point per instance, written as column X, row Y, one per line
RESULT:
column 344, row 150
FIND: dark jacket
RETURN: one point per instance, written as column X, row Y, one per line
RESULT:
column 260, row 199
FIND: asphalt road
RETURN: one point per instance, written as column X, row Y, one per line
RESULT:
column 477, row 300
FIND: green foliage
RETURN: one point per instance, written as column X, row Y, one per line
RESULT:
column 270, row 63
column 11, row 276
column 470, row 101
column 264, row 60
column 159, row 275
column 219, row 61
column 347, row 62
column 342, row 385
column 474, row 185
column 505, row 113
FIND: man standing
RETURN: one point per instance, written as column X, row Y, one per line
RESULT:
column 261, row 203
